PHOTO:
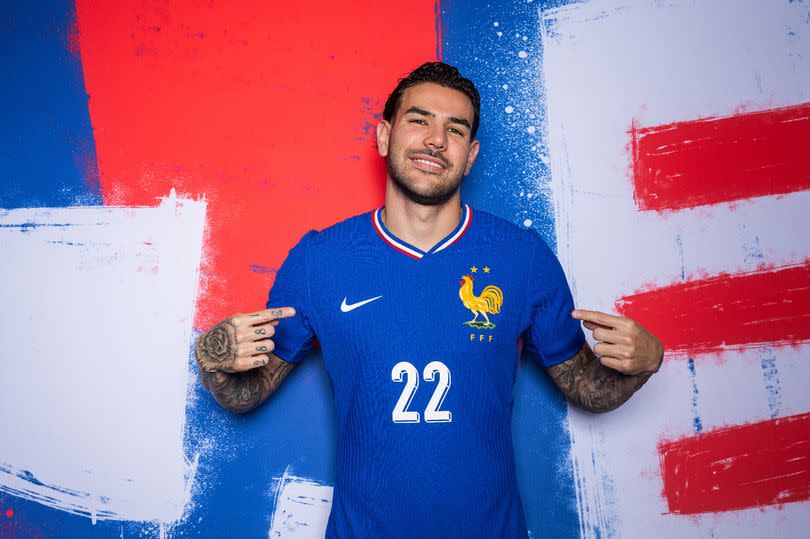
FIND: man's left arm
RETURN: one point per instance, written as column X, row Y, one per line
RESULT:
column 628, row 355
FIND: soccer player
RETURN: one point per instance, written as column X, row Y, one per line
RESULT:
column 419, row 307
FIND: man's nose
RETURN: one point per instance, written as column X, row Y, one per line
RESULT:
column 436, row 138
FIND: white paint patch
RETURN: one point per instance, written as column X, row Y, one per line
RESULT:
column 98, row 306
column 302, row 508
column 660, row 62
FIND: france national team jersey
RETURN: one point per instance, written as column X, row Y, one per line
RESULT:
column 421, row 348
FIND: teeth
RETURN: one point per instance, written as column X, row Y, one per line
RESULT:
column 429, row 163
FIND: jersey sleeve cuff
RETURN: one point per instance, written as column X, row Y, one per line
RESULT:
column 564, row 354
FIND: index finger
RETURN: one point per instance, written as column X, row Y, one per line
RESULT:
column 598, row 317
column 268, row 315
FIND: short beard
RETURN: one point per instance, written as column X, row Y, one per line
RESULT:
column 436, row 197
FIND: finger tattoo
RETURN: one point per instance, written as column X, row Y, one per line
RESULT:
column 261, row 331
column 261, row 349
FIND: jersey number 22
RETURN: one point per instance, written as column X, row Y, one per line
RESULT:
column 406, row 372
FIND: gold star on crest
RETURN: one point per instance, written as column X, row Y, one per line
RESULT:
column 474, row 269
column 486, row 269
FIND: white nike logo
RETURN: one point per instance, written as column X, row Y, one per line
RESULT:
column 345, row 307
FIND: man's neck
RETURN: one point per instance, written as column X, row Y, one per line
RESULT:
column 421, row 226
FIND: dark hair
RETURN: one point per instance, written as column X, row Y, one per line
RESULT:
column 437, row 73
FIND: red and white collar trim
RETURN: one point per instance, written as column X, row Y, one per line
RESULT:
column 415, row 252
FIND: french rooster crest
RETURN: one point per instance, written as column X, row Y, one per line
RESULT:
column 489, row 301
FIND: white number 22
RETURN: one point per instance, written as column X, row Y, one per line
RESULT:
column 400, row 413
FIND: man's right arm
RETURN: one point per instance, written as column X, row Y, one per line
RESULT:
column 236, row 361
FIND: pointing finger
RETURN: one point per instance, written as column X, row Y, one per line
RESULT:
column 597, row 317
column 281, row 312
column 267, row 315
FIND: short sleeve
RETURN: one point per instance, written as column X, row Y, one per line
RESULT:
column 553, row 334
column 293, row 336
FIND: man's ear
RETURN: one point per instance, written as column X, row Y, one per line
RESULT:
column 383, row 132
column 474, row 147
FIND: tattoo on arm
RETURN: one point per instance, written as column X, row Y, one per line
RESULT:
column 592, row 386
column 236, row 391
column 241, row 392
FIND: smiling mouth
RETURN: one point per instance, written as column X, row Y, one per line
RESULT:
column 428, row 162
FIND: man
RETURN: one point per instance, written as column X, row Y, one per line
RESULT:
column 419, row 307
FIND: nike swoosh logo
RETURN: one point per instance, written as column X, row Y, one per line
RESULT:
column 345, row 307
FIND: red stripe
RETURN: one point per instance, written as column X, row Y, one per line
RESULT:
column 266, row 109
column 466, row 227
column 394, row 245
column 713, row 160
column 738, row 467
column 766, row 307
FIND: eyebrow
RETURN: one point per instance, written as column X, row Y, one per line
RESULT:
column 453, row 119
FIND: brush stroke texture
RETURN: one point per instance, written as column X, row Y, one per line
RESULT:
column 769, row 307
column 97, row 319
column 721, row 159
column 738, row 467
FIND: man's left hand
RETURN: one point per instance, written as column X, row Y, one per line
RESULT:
column 622, row 344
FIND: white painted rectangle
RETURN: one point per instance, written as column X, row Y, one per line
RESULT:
column 97, row 307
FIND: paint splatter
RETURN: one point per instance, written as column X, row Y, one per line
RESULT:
column 301, row 507
column 770, row 375
column 697, row 423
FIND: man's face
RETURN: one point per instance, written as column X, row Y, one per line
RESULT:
column 428, row 145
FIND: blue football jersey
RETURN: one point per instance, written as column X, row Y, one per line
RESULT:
column 422, row 351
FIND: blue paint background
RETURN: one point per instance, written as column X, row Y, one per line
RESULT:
column 510, row 179
column 47, row 144
column 47, row 152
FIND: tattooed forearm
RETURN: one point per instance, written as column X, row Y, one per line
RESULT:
column 241, row 392
column 236, row 363
column 592, row 386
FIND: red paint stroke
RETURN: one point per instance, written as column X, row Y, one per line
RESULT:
column 714, row 160
column 769, row 307
column 259, row 107
column 739, row 467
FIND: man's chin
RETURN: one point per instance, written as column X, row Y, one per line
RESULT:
column 432, row 198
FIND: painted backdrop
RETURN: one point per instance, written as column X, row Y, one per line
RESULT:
column 159, row 159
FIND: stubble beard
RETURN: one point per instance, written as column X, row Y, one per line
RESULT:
column 436, row 196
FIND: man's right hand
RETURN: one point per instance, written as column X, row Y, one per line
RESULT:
column 241, row 342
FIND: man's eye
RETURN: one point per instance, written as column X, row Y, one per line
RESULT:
column 418, row 121
column 456, row 131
